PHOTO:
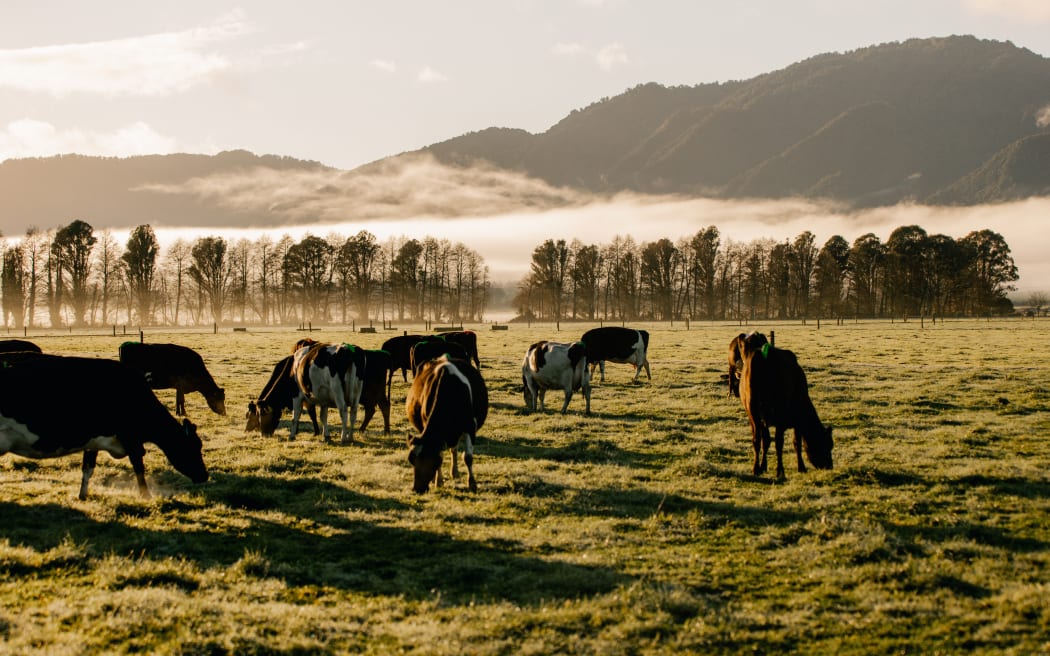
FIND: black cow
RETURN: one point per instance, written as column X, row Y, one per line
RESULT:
column 617, row 344
column 400, row 350
column 774, row 392
column 468, row 339
column 434, row 347
column 113, row 410
column 16, row 345
column 447, row 403
column 277, row 395
column 555, row 365
column 329, row 375
column 168, row 366
column 373, row 393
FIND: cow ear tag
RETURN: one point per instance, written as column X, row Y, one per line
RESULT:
column 765, row 350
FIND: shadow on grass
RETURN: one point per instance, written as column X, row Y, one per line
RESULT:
column 306, row 541
column 581, row 452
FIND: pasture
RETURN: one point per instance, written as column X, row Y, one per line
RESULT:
column 636, row 530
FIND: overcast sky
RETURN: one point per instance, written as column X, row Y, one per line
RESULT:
column 348, row 82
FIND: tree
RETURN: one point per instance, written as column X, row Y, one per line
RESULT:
column 660, row 262
column 13, row 284
column 210, row 272
column 404, row 279
column 802, row 259
column 830, row 276
column 866, row 264
column 992, row 270
column 705, row 246
column 307, row 269
column 140, row 269
column 71, row 249
column 357, row 258
column 906, row 254
column 550, row 269
column 584, row 272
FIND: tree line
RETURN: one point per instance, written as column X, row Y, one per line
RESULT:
column 74, row 277
column 701, row 277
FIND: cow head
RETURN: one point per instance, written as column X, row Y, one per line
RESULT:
column 425, row 463
column 530, row 399
column 185, row 456
column 818, row 447
column 217, row 402
column 269, row 418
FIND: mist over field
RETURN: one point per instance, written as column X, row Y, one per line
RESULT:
column 504, row 215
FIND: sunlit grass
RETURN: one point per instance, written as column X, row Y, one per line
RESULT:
column 638, row 529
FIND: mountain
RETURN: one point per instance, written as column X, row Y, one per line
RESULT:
column 48, row 192
column 1018, row 171
column 879, row 125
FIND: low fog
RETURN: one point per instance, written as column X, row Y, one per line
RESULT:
column 504, row 215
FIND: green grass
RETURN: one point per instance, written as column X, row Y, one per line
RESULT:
column 638, row 529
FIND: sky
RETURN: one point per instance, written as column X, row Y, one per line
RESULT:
column 347, row 82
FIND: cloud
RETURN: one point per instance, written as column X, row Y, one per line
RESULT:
column 385, row 65
column 607, row 57
column 611, row 56
column 428, row 75
column 1042, row 117
column 152, row 65
column 33, row 138
column 1021, row 10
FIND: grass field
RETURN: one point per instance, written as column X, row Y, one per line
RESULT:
column 636, row 530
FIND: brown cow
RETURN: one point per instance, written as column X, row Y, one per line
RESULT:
column 774, row 392
column 736, row 359
column 447, row 403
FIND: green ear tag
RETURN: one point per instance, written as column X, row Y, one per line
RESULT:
column 765, row 350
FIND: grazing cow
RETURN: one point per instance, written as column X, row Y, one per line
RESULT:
column 434, row 347
column 377, row 366
column 447, row 403
column 617, row 344
column 112, row 409
column 265, row 412
column 736, row 359
column 468, row 339
column 774, row 392
column 554, row 365
column 400, row 350
column 169, row 366
column 16, row 345
column 329, row 375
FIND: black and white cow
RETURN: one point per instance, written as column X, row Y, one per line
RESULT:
column 617, row 344
column 169, row 366
column 447, row 403
column 112, row 409
column 555, row 365
column 264, row 413
column 329, row 375
column 16, row 345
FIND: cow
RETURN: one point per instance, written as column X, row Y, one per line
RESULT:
column 329, row 375
column 16, row 345
column 736, row 359
column 555, row 365
column 167, row 366
column 447, row 403
column 468, row 339
column 264, row 413
column 112, row 409
column 774, row 391
column 617, row 344
column 434, row 347
column 400, row 350
column 373, row 393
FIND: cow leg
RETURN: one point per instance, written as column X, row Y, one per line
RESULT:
column 135, row 457
column 346, row 432
column 384, row 407
column 779, row 439
column 648, row 374
column 180, row 403
column 798, row 452
column 760, row 445
column 601, row 368
column 468, row 460
column 311, row 410
column 568, row 397
column 370, row 410
column 87, row 468
column 540, row 393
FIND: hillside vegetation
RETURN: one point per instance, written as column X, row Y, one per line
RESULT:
column 638, row 529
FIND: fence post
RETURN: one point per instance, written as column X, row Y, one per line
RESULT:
column 141, row 337
column 772, row 338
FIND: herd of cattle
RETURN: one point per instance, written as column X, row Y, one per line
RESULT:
column 447, row 402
